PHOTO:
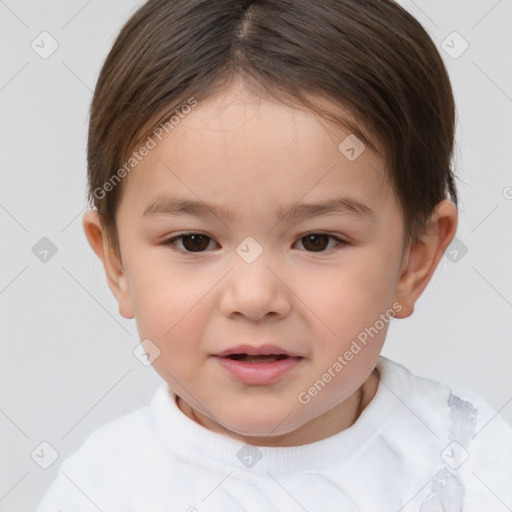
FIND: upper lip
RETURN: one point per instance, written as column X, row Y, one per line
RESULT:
column 260, row 350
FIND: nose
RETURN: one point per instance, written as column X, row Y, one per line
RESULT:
column 256, row 292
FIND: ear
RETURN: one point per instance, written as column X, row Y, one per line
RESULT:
column 424, row 254
column 116, row 277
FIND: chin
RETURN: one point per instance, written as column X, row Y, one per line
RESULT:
column 260, row 425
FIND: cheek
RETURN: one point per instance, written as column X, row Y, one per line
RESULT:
column 165, row 303
column 173, row 318
column 346, row 299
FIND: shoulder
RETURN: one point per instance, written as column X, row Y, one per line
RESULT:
column 128, row 442
column 469, row 437
column 448, row 405
column 112, row 437
column 108, row 463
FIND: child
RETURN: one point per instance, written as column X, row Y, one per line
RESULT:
column 227, row 139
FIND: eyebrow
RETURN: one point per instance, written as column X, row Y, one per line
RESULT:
column 337, row 206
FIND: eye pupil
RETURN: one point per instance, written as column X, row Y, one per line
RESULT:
column 318, row 242
column 199, row 242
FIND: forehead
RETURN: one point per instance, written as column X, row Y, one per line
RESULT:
column 241, row 150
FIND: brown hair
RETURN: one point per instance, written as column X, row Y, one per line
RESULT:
column 369, row 57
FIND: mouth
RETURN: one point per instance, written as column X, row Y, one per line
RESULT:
column 247, row 358
column 261, row 365
column 248, row 351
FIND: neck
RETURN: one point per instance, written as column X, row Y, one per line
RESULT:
column 333, row 421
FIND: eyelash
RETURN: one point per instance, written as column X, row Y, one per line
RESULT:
column 171, row 242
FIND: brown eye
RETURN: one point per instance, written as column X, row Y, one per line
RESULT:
column 195, row 242
column 316, row 243
column 319, row 242
column 191, row 243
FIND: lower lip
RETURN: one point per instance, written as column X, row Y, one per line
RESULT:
column 259, row 374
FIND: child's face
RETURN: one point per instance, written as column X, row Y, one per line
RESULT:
column 311, row 297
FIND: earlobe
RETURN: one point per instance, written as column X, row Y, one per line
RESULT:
column 112, row 264
column 424, row 255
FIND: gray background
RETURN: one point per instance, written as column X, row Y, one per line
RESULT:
column 67, row 365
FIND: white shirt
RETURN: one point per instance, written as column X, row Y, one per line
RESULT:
column 411, row 449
